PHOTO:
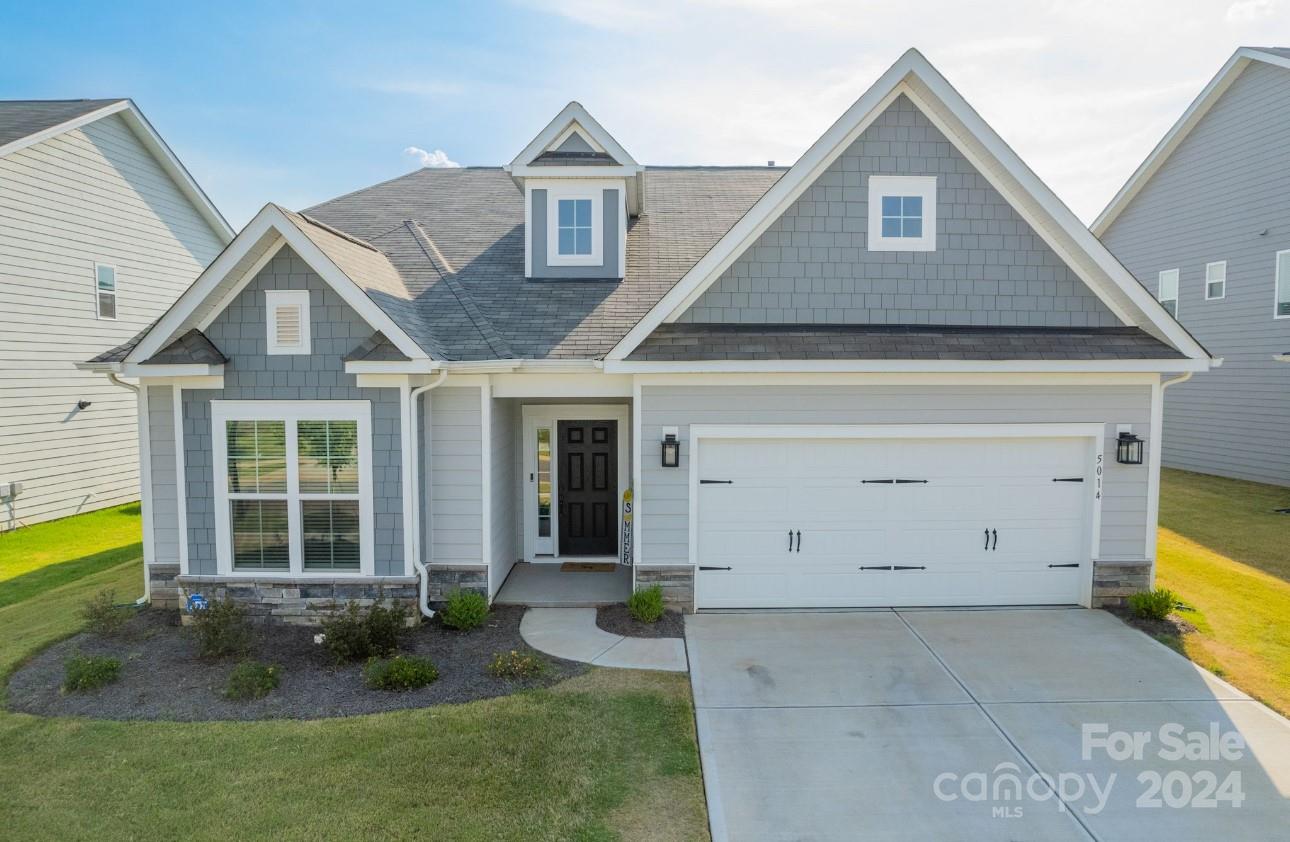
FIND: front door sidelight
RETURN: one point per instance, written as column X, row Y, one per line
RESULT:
column 588, row 477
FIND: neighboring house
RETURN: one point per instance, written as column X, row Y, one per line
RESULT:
column 1204, row 224
column 101, row 229
column 893, row 374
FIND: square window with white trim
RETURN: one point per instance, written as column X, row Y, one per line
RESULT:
column 293, row 487
column 105, row 291
column 1168, row 291
column 902, row 213
column 574, row 223
column 1215, row 280
column 1282, row 310
column 287, row 316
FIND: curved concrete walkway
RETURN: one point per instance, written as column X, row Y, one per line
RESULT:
column 572, row 634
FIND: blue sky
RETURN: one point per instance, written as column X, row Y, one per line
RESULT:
column 299, row 102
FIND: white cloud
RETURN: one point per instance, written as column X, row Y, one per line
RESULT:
column 1245, row 11
column 438, row 159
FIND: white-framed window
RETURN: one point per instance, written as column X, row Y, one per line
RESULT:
column 902, row 213
column 1215, row 280
column 293, row 487
column 105, row 291
column 287, row 315
column 575, row 218
column 1282, row 310
column 1168, row 294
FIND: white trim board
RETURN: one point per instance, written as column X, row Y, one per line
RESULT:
column 156, row 146
column 913, row 76
column 1094, row 432
column 590, row 128
column 1178, row 132
column 533, row 416
column 271, row 218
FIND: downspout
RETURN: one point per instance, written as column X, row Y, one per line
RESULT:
column 415, row 443
column 147, row 579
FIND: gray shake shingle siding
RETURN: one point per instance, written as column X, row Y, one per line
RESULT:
column 706, row 342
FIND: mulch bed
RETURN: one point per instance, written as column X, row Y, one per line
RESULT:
column 615, row 619
column 163, row 678
column 1172, row 626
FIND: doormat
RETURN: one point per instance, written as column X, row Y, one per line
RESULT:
column 588, row 567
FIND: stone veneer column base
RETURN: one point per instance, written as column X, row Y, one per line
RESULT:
column 677, row 583
column 1114, row 581
column 163, row 586
column 303, row 602
column 446, row 578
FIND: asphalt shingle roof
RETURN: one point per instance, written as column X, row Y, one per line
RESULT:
column 192, row 347
column 20, row 118
column 707, row 342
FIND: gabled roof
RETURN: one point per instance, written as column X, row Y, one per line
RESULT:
column 913, row 76
column 1241, row 59
column 573, row 117
column 27, row 122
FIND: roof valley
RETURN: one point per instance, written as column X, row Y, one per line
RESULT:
column 446, row 272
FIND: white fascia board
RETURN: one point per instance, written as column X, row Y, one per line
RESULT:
column 99, row 368
column 1198, row 108
column 911, row 67
column 155, row 145
column 425, row 366
column 951, row 366
column 270, row 217
column 566, row 173
column 172, row 370
column 572, row 129
column 571, row 113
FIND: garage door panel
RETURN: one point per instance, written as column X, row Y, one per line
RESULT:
column 939, row 523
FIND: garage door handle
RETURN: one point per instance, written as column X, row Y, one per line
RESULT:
column 987, row 539
column 790, row 540
column 1064, row 565
column 995, row 533
column 799, row 540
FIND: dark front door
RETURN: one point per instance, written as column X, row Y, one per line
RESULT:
column 588, row 487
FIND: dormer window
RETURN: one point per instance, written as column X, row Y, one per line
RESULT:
column 574, row 221
column 902, row 213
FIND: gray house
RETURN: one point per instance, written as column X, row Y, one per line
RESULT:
column 897, row 373
column 1204, row 224
column 101, row 229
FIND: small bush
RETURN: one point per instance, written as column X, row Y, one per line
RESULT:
column 1153, row 605
column 514, row 664
column 646, row 605
column 222, row 629
column 402, row 672
column 251, row 680
column 89, row 672
column 351, row 636
column 103, row 616
column 465, row 610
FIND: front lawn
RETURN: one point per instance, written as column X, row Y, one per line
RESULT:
column 1226, row 553
column 607, row 755
column 46, row 555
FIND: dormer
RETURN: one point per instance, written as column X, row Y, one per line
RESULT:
column 580, row 189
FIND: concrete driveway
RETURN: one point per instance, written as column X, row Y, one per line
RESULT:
column 922, row 724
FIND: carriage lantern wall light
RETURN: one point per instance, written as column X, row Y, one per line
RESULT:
column 671, row 448
column 1128, row 449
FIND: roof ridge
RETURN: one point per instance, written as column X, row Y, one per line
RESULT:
column 491, row 335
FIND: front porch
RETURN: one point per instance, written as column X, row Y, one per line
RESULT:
column 546, row 585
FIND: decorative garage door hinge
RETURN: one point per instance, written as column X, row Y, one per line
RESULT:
column 701, row 567
column 716, row 482
column 1068, row 479
column 1072, row 564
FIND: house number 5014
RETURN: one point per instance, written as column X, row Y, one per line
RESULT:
column 1097, row 479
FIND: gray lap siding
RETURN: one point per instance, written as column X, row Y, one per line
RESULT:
column 250, row 374
column 664, row 496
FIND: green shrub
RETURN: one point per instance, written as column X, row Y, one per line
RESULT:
column 514, row 664
column 465, row 610
column 103, row 616
column 646, row 605
column 222, row 629
column 351, row 636
column 89, row 672
column 402, row 672
column 251, row 680
column 1153, row 605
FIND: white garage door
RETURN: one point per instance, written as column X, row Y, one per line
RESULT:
column 879, row 522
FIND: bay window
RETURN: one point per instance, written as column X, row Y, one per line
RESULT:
column 293, row 487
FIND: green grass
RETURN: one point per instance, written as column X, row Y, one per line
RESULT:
column 37, row 558
column 607, row 755
column 1225, row 553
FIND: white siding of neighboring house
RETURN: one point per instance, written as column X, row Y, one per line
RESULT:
column 90, row 195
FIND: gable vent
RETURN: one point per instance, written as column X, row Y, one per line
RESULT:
column 288, row 321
